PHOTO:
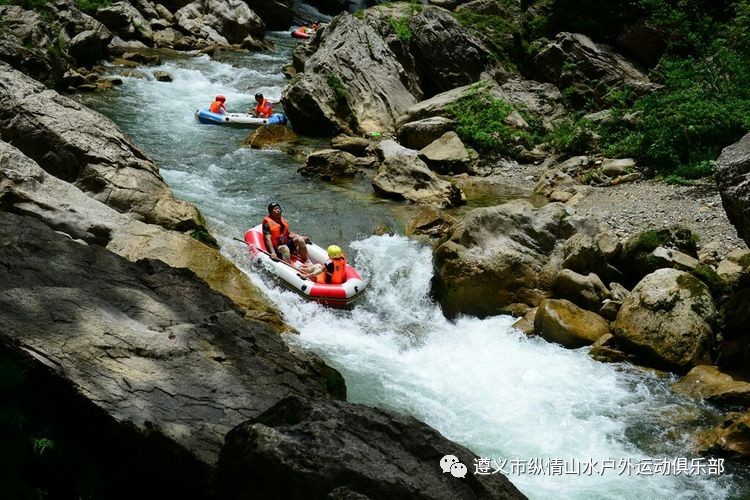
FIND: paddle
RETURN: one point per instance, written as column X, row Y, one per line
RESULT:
column 276, row 259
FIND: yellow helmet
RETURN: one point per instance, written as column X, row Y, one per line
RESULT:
column 334, row 251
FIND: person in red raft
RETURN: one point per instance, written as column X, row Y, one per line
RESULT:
column 219, row 105
column 263, row 107
column 335, row 266
column 279, row 239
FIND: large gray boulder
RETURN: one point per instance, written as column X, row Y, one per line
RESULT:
column 562, row 322
column 733, row 178
column 126, row 21
column 709, row 383
column 83, row 147
column 420, row 133
column 275, row 14
column 573, row 59
column 27, row 43
column 508, row 254
column 314, row 442
column 541, row 100
column 352, row 83
column 446, row 55
column 25, row 188
column 86, row 38
column 446, row 155
column 232, row 20
column 668, row 320
column 152, row 347
column 408, row 178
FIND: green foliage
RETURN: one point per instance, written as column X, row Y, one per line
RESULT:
column 570, row 138
column 90, row 6
column 480, row 123
column 400, row 26
column 337, row 86
column 41, row 445
column 704, row 102
column 704, row 106
column 201, row 234
column 646, row 242
column 716, row 285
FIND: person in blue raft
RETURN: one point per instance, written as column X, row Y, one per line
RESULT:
column 263, row 109
column 219, row 105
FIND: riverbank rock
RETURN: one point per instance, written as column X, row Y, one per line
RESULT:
column 220, row 21
column 420, row 133
column 707, row 382
column 27, row 42
column 731, row 438
column 26, row 188
column 151, row 346
column 271, row 135
column 313, row 441
column 585, row 291
column 446, row 55
column 408, row 178
column 429, row 222
column 667, row 320
column 329, row 164
column 573, row 59
column 87, row 149
column 503, row 255
column 733, row 178
column 541, row 100
column 124, row 20
column 446, row 155
column 562, row 322
column 637, row 259
column 351, row 84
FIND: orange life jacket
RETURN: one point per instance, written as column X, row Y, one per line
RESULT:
column 264, row 109
column 338, row 275
column 217, row 107
column 279, row 232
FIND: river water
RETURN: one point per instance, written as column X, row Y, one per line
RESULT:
column 557, row 422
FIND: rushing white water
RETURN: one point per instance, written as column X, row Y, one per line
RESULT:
column 477, row 381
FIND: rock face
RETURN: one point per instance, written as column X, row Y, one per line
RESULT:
column 574, row 59
column 503, row 255
column 565, row 323
column 420, row 133
column 668, row 320
column 730, row 438
column 541, row 100
column 231, row 20
column 707, row 382
column 733, row 178
column 352, row 83
column 153, row 346
column 27, row 189
column 407, row 177
column 312, row 442
column 446, row 155
column 25, row 40
column 275, row 14
column 447, row 56
column 85, row 148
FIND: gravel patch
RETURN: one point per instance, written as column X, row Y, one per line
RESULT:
column 630, row 208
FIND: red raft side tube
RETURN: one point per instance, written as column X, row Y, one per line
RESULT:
column 341, row 295
column 300, row 34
